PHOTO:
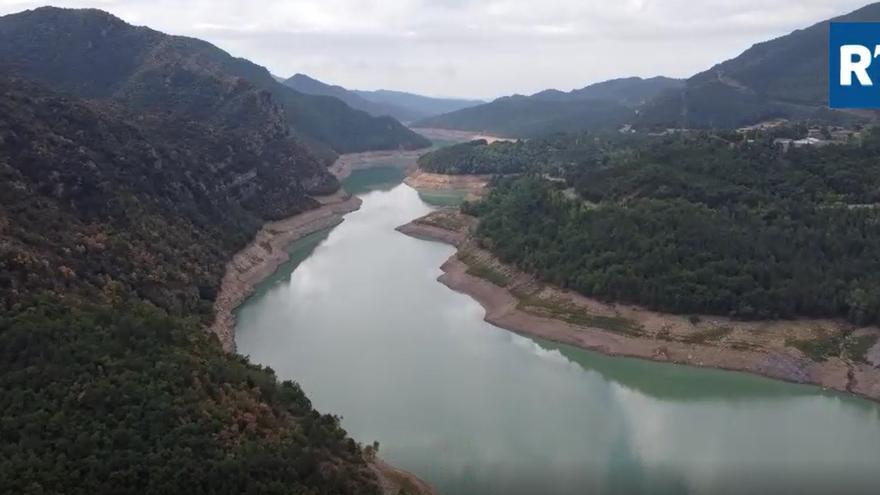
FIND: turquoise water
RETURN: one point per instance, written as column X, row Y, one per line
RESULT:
column 359, row 320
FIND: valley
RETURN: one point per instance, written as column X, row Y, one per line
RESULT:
column 519, row 302
column 216, row 278
column 444, row 399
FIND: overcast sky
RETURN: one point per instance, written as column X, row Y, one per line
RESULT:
column 473, row 48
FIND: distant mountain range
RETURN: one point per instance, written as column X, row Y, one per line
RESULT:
column 606, row 104
column 422, row 106
column 786, row 77
column 93, row 54
column 405, row 107
column 525, row 116
column 630, row 91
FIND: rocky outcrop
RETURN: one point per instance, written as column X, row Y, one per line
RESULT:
column 394, row 481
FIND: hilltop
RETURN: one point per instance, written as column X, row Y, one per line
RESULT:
column 92, row 54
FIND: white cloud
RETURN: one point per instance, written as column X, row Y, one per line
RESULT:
column 471, row 47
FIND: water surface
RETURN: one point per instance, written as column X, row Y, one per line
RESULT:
column 358, row 319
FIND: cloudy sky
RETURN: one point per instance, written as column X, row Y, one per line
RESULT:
column 473, row 48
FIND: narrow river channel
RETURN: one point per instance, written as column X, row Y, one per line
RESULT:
column 358, row 319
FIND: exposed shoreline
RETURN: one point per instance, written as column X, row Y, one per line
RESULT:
column 407, row 160
column 265, row 253
column 456, row 135
column 472, row 186
column 753, row 347
column 268, row 250
column 346, row 164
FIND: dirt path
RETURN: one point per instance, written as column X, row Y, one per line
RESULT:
column 518, row 302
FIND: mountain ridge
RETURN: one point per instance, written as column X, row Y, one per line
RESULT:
column 309, row 85
column 114, row 230
column 784, row 77
column 629, row 91
column 424, row 105
column 403, row 106
column 94, row 54
column 607, row 104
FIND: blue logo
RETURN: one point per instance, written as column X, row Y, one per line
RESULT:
column 854, row 65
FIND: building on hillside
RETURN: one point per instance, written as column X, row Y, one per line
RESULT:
column 797, row 143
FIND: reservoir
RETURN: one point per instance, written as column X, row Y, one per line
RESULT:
column 358, row 319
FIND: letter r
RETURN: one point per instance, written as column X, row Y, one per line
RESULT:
column 859, row 67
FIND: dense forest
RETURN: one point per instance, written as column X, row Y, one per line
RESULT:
column 695, row 222
column 604, row 105
column 548, row 154
column 530, row 116
column 92, row 54
column 114, row 230
column 477, row 157
column 784, row 77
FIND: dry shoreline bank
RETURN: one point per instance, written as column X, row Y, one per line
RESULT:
column 454, row 135
column 346, row 164
column 268, row 251
column 529, row 307
column 472, row 186
column 265, row 253
column 407, row 160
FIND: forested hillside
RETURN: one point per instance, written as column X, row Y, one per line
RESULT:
column 92, row 54
column 696, row 223
column 548, row 154
column 786, row 77
column 406, row 107
column 523, row 116
column 310, row 86
column 604, row 105
column 114, row 230
column 783, row 77
column 628, row 91
column 423, row 106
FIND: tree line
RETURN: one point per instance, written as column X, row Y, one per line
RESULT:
column 698, row 223
column 113, row 237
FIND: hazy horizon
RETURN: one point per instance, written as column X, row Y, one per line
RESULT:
column 471, row 49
